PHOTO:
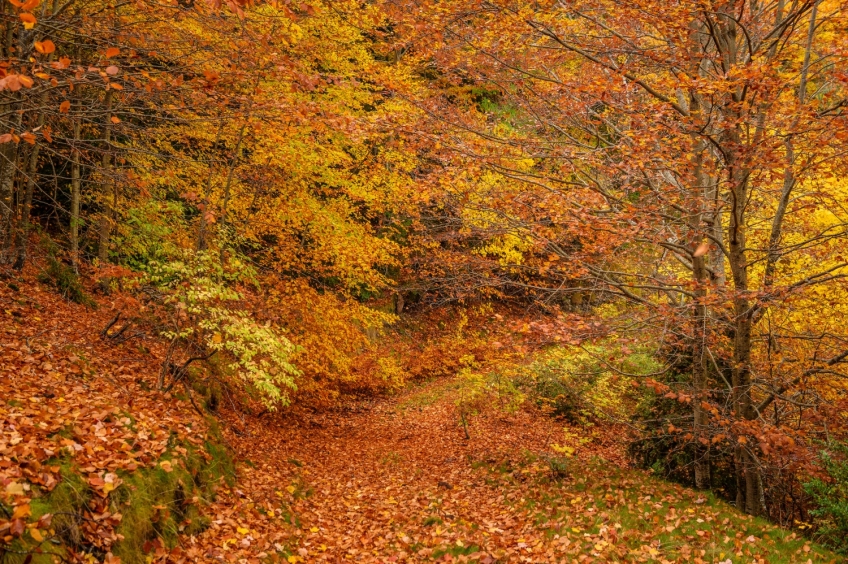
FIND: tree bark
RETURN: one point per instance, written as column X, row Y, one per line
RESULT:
column 75, row 197
column 110, row 189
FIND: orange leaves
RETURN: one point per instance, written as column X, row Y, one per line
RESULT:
column 28, row 20
column 702, row 250
column 65, row 107
column 25, row 5
column 111, row 431
column 15, row 82
column 45, row 47
column 115, row 119
column 62, row 63
column 112, row 52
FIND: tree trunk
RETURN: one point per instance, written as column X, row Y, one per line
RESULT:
column 8, row 172
column 75, row 197
column 110, row 189
column 26, row 208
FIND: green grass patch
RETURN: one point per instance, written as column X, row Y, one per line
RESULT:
column 428, row 393
column 614, row 514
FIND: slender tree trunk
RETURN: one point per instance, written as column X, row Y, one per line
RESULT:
column 110, row 189
column 8, row 172
column 75, row 197
column 202, row 228
column 26, row 208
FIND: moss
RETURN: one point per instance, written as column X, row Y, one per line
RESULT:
column 65, row 503
column 153, row 504
column 64, row 279
column 159, row 504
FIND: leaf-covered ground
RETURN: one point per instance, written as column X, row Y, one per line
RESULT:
column 97, row 466
column 397, row 481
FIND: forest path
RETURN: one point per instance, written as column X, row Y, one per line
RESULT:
column 397, row 480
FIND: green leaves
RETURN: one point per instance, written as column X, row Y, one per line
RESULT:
column 207, row 312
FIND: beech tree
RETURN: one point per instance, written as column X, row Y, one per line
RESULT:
column 671, row 157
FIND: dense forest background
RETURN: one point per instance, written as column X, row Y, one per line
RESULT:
column 628, row 219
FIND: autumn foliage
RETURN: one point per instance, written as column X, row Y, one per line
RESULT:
column 622, row 217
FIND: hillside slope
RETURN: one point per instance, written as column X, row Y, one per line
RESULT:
column 96, row 466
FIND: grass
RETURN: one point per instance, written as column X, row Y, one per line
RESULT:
column 428, row 393
column 631, row 516
column 154, row 503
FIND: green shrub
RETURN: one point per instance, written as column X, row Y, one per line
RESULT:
column 578, row 384
column 831, row 498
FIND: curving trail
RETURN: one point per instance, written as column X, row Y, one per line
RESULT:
column 397, row 481
column 394, row 481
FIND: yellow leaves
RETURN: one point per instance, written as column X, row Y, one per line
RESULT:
column 166, row 466
column 22, row 511
column 28, row 20
column 242, row 531
column 566, row 450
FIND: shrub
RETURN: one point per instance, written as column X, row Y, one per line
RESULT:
column 205, row 312
column 576, row 385
column 830, row 495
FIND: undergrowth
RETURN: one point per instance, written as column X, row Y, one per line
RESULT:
column 161, row 502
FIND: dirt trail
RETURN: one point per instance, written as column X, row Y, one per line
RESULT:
column 393, row 482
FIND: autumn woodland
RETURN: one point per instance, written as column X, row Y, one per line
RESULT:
column 423, row 281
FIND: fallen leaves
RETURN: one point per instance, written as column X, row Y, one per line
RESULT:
column 66, row 411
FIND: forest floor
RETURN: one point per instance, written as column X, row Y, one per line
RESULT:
column 84, row 437
column 397, row 480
